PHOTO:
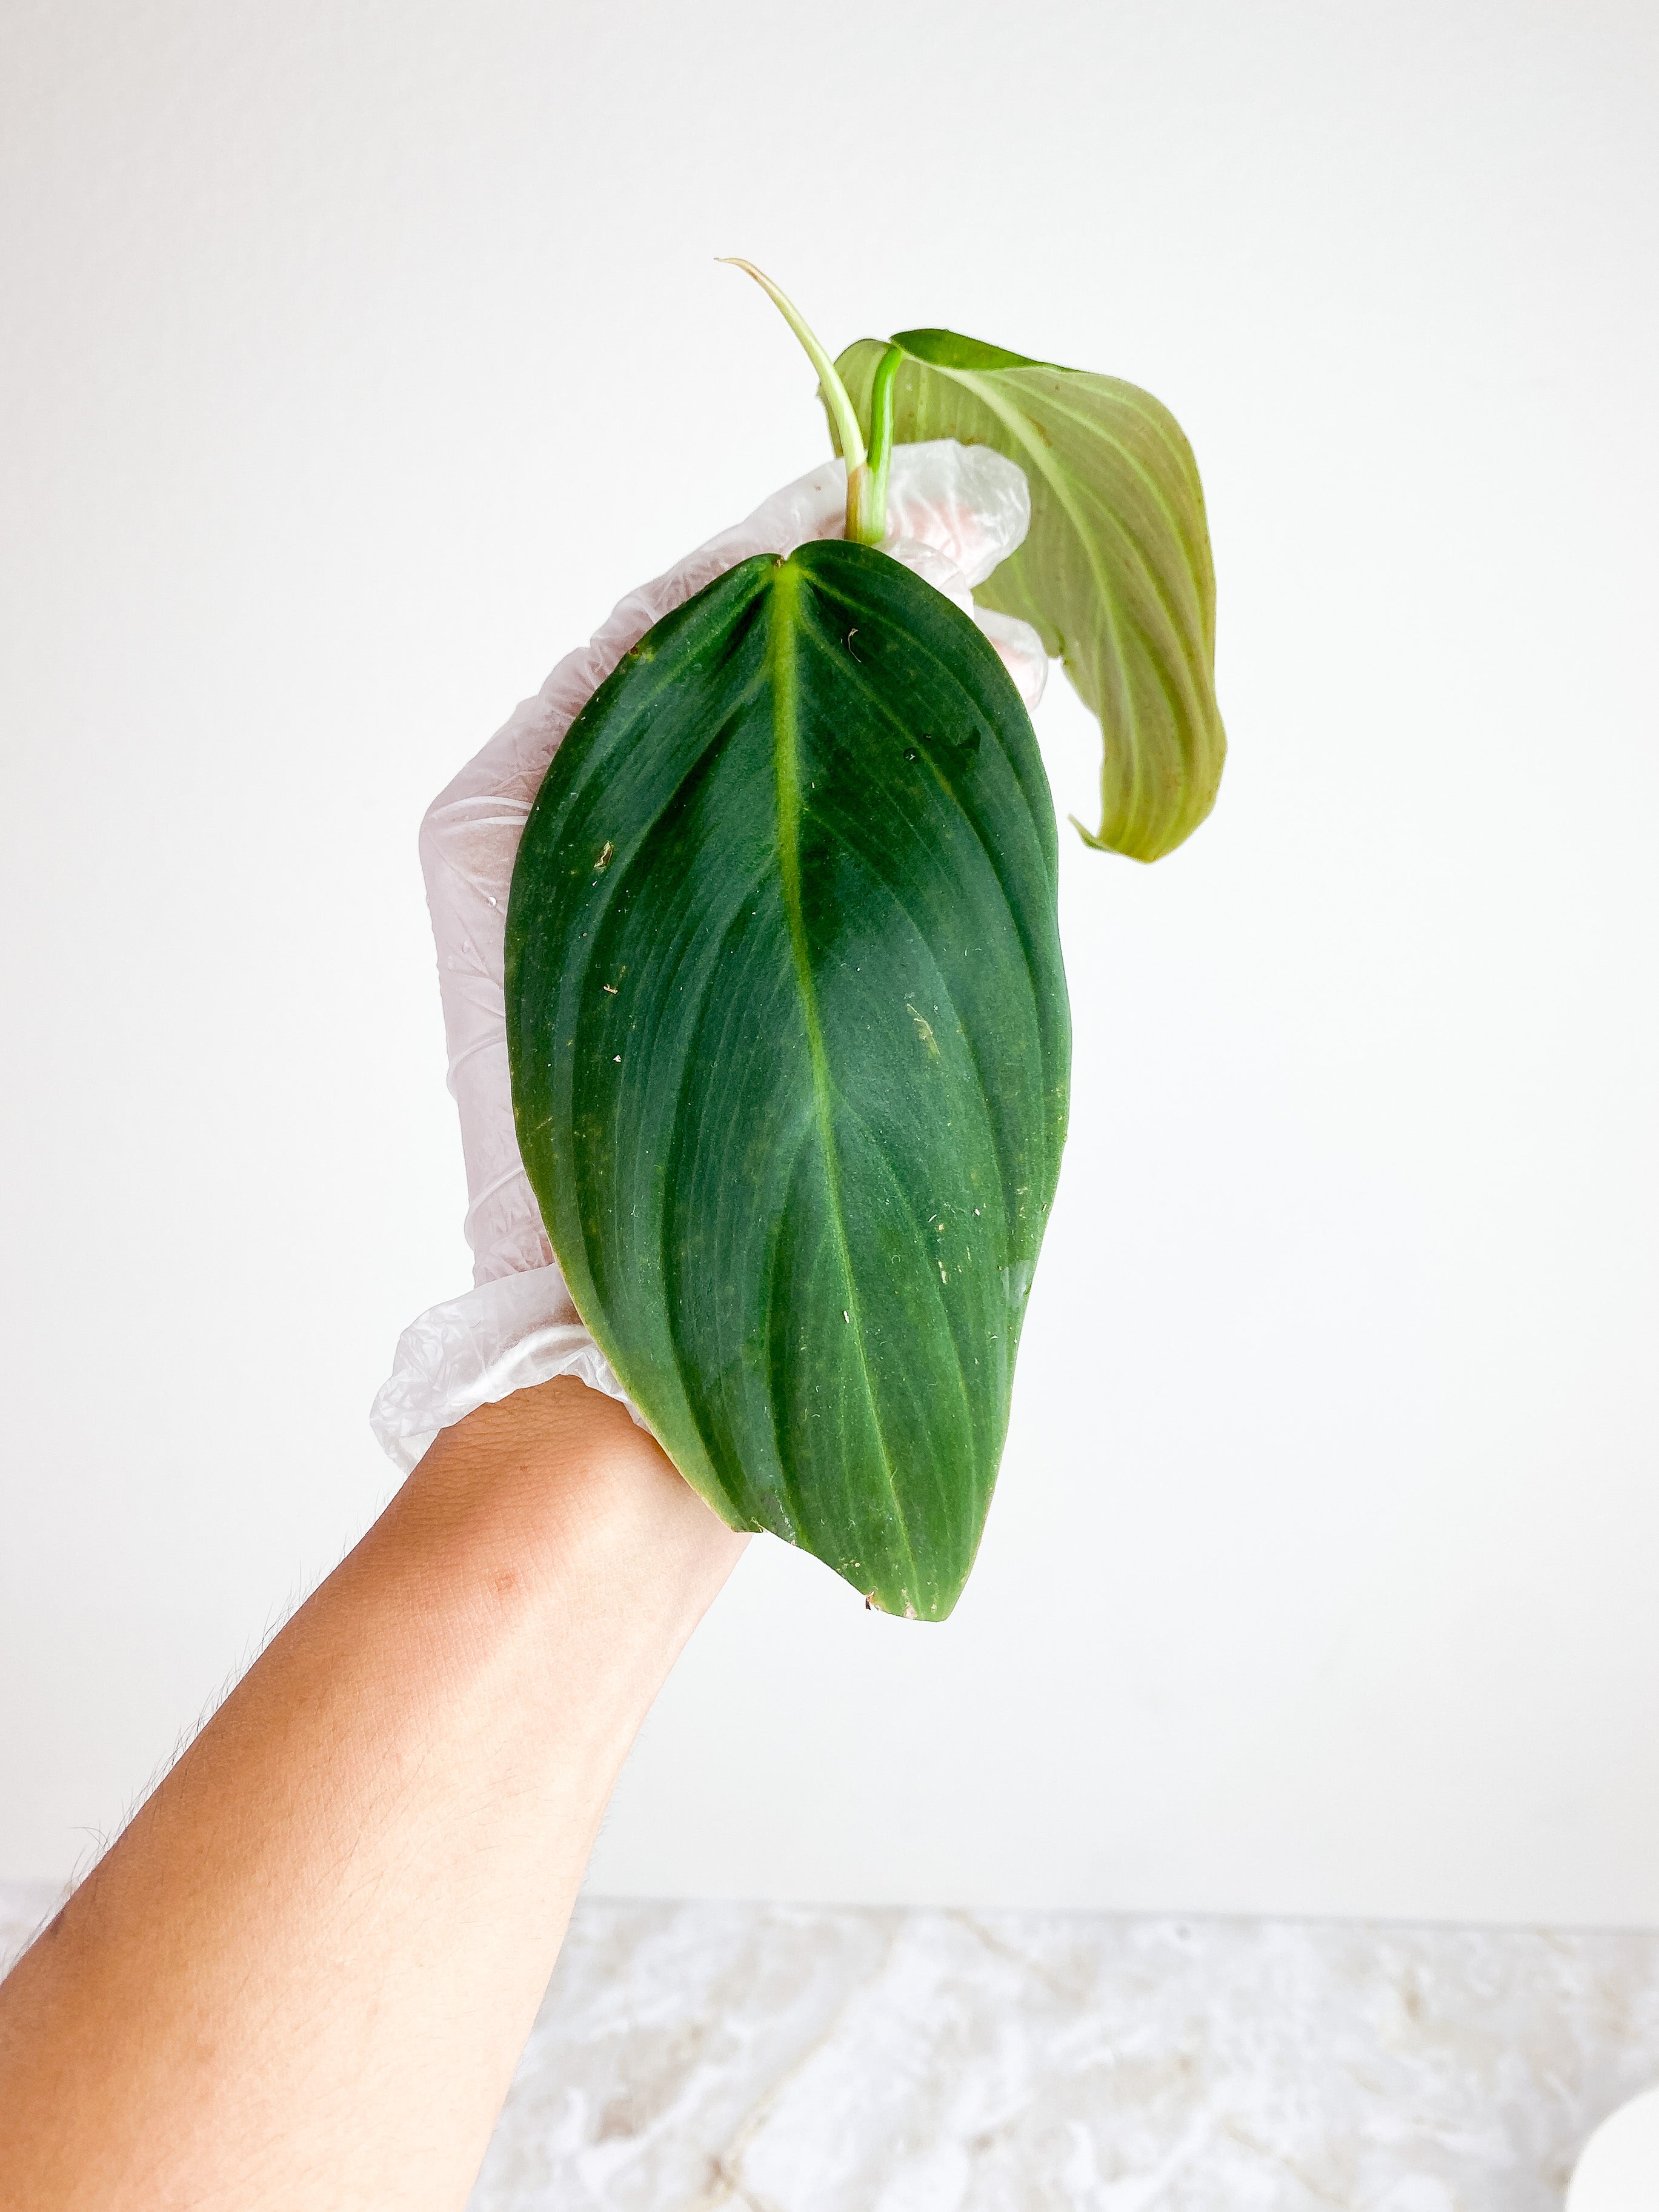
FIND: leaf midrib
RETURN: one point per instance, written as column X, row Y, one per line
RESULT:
column 784, row 615
column 1015, row 424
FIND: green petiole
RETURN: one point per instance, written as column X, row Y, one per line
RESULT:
column 866, row 474
column 881, row 436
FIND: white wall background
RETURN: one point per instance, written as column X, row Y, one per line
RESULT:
column 359, row 356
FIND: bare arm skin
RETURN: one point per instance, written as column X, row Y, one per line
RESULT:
column 303, row 1975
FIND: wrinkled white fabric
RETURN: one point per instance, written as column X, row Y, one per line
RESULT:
column 479, row 1348
column 953, row 512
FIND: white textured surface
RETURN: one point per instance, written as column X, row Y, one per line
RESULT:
column 928, row 2062
column 787, row 2059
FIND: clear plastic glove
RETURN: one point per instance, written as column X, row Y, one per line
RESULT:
column 953, row 512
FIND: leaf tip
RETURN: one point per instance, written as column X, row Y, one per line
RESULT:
column 1098, row 842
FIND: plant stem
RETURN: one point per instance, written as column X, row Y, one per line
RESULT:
column 881, row 435
column 866, row 503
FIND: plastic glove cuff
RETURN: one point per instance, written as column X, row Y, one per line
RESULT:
column 478, row 1349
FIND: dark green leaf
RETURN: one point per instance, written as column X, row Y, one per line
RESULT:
column 790, row 1041
column 1116, row 575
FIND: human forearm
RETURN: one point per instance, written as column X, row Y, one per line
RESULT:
column 305, row 1972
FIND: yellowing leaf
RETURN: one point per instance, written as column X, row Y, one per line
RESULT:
column 1116, row 575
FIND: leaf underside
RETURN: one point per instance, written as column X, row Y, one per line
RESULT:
column 790, row 1041
column 1116, row 575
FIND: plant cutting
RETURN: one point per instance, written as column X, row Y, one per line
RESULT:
column 786, row 1009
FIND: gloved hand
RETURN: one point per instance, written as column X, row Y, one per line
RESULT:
column 953, row 512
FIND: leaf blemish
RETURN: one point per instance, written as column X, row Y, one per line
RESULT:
column 924, row 1030
column 604, row 859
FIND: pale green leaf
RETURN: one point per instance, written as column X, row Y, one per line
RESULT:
column 1116, row 575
